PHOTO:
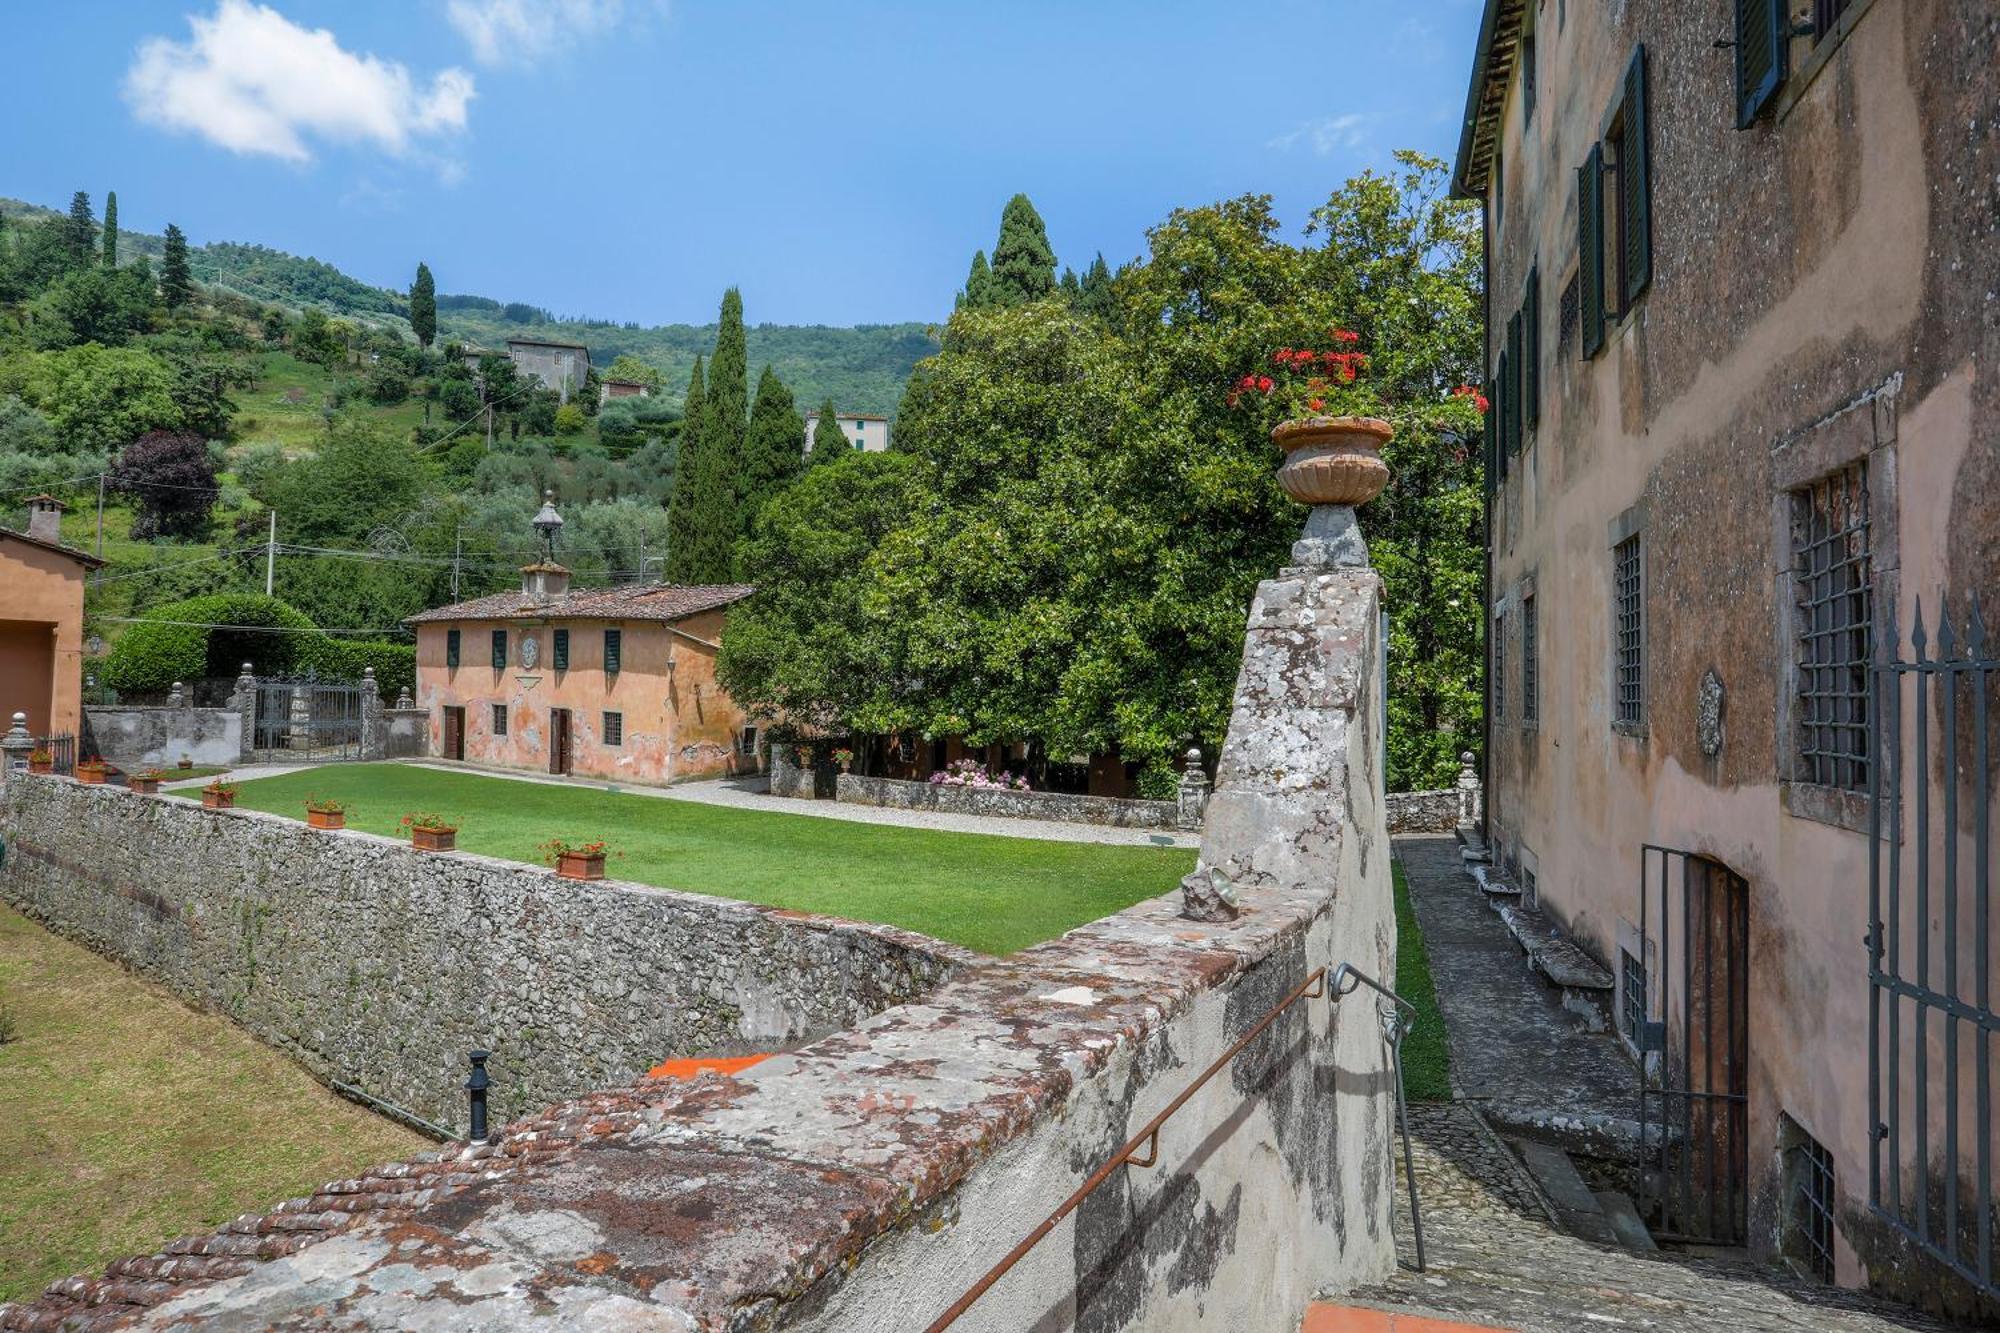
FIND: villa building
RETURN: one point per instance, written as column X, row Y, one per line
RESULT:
column 870, row 434
column 558, row 365
column 1745, row 337
column 612, row 683
column 41, row 621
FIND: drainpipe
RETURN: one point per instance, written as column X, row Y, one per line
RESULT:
column 1489, row 493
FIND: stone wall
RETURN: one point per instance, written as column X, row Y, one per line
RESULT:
column 382, row 966
column 140, row 738
column 1424, row 811
column 406, row 733
column 1063, row 807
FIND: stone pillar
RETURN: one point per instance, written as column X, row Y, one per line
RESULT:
column 1193, row 794
column 1471, row 796
column 244, row 701
column 403, row 700
column 372, row 739
column 14, row 748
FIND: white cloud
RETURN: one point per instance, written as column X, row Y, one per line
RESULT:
column 517, row 32
column 1327, row 135
column 252, row 81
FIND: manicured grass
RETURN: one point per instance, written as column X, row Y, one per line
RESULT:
column 992, row 894
column 128, row 1118
column 1426, row 1059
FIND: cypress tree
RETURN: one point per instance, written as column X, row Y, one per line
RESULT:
column 713, row 516
column 111, row 230
column 1072, row 290
column 773, row 450
column 424, row 306
column 829, row 440
column 978, row 284
column 1094, row 297
column 80, row 230
column 176, row 282
column 682, row 538
column 1024, row 266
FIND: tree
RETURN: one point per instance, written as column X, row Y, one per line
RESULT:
column 97, row 399
column 93, row 304
column 170, row 476
column 773, row 450
column 423, row 306
column 680, row 503
column 829, row 440
column 111, row 230
column 632, row 370
column 176, row 281
column 1024, row 267
column 1094, row 291
column 978, row 284
column 358, row 479
column 80, row 230
column 705, row 494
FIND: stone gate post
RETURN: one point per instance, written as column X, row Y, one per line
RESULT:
column 244, row 701
column 1194, row 788
column 372, row 739
column 14, row 748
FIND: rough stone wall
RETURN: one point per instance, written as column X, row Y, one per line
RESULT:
column 1423, row 811
column 142, row 738
column 1063, row 807
column 405, row 733
column 381, row 966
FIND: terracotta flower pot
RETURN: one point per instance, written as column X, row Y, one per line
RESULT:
column 434, row 839
column 215, row 800
column 143, row 786
column 1333, row 460
column 90, row 777
column 570, row 865
column 41, row 766
column 184, row 763
column 326, row 819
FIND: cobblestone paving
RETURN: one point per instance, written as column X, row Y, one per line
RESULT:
column 1496, row 1259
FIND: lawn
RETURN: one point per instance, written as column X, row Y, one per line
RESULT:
column 128, row 1118
column 1426, row 1061
column 992, row 894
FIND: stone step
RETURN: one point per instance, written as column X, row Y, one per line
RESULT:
column 1492, row 882
column 1624, row 1219
column 1586, row 985
column 1603, row 1137
column 1577, row 1210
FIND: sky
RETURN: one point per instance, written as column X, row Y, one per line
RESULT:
column 629, row 159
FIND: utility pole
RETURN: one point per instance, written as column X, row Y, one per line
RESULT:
column 271, row 555
column 100, row 516
column 457, row 536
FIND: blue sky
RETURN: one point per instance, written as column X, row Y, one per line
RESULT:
column 628, row 159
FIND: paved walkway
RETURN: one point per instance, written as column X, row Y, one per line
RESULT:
column 1496, row 1261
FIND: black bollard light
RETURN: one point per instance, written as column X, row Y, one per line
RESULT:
column 475, row 1092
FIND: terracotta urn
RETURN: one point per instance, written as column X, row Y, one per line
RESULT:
column 574, row 865
column 326, row 819
column 433, row 839
column 1333, row 460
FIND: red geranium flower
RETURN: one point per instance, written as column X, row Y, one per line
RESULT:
column 1265, row 384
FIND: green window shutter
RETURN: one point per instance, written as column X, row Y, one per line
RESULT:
column 451, row 647
column 1503, row 407
column 1531, row 341
column 1763, row 34
column 1488, row 434
column 1590, row 249
column 499, row 650
column 1635, row 182
column 562, row 650
column 614, row 644
column 1516, row 400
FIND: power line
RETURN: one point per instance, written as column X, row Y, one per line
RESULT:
column 248, row 629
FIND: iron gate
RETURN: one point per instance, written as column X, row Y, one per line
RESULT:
column 309, row 718
column 1929, row 886
column 1694, row 928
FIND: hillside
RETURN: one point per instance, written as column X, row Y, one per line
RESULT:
column 863, row 369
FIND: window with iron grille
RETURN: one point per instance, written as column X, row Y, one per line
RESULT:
column 746, row 743
column 1628, row 632
column 499, row 650
column 1810, row 1201
column 614, row 728
column 1833, row 587
column 561, row 650
column 499, row 719
column 1826, row 17
column 614, row 644
column 1633, row 1003
column 451, row 647
column 1500, row 667
column 1531, row 665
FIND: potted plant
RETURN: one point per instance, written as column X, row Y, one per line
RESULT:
column 431, row 832
column 843, row 759
column 92, row 772
column 146, row 783
column 40, row 760
column 575, row 860
column 184, row 762
column 1328, row 420
column 325, row 813
column 219, row 795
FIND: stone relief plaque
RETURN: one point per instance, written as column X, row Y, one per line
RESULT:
column 531, row 652
column 1708, row 714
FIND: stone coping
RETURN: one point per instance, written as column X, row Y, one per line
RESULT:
column 705, row 1202
column 1007, row 802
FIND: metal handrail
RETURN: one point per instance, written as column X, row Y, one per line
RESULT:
column 1398, row 1017
column 1312, row 988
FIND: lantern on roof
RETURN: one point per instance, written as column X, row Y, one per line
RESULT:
column 548, row 522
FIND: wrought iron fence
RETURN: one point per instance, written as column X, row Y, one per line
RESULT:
column 62, row 752
column 308, row 718
column 1931, row 1016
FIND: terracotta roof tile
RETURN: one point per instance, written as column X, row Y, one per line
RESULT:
column 628, row 601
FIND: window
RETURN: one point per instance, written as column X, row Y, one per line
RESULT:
column 1833, row 588
column 560, row 652
column 1763, row 34
column 1809, row 1198
column 1516, row 357
column 499, row 650
column 451, row 648
column 1628, row 633
column 1531, row 350
column 499, row 719
column 746, row 743
column 1500, row 667
column 1632, row 1002
column 1528, row 67
column 1503, row 409
column 1826, row 17
column 1590, row 249
column 1531, row 666
column 1614, row 215
column 614, row 728
column 614, row 646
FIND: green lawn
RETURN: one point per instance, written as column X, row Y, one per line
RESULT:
column 992, row 894
column 1426, row 1060
column 128, row 1118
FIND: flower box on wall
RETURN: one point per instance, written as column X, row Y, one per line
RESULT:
column 142, row 784
column 213, row 798
column 91, row 775
column 580, row 865
column 434, row 839
column 326, row 819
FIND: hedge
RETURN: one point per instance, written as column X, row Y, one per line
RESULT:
column 174, row 642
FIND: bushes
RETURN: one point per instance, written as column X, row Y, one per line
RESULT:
column 174, row 643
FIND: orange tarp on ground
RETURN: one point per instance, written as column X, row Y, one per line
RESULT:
column 703, row 1064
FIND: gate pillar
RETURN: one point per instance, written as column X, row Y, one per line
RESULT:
column 244, row 701
column 373, row 744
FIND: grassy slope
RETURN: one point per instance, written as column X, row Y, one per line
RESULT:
column 1426, row 1062
column 987, row 893
column 127, row 1118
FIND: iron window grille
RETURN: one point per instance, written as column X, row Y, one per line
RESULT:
column 451, row 647
column 1500, row 667
column 1633, row 1001
column 1531, row 666
column 1628, row 631
column 1833, row 585
column 1811, row 1173
column 1826, row 17
column 614, row 644
column 614, row 728
column 560, row 651
column 499, row 719
column 499, row 650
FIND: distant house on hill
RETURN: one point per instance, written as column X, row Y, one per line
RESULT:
column 869, row 434
column 558, row 365
column 622, row 389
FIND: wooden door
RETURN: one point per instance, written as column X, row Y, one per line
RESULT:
column 559, row 740
column 454, row 732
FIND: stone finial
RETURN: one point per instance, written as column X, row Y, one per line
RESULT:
column 16, row 744
column 177, row 696
column 1471, row 793
column 403, row 699
column 1192, row 797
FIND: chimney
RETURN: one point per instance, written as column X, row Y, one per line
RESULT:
column 544, row 582
column 45, row 518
